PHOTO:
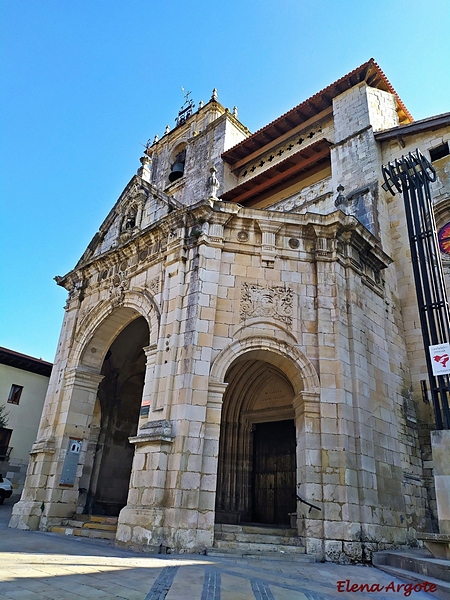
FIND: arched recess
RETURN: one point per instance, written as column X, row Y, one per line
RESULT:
column 120, row 398
column 109, row 348
column 177, row 162
column 261, row 421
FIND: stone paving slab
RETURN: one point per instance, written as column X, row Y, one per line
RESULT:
column 48, row 566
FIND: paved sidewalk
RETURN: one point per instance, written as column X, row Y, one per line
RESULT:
column 41, row 566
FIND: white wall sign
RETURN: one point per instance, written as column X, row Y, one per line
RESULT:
column 440, row 359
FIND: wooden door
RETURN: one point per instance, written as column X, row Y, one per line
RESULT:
column 274, row 472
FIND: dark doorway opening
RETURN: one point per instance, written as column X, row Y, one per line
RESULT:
column 274, row 476
column 257, row 426
column 120, row 397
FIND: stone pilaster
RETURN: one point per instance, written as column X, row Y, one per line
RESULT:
column 440, row 443
column 46, row 499
column 309, row 470
column 142, row 520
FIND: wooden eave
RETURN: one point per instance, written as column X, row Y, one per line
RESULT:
column 369, row 72
column 300, row 163
column 25, row 362
column 429, row 124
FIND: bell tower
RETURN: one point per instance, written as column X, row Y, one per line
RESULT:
column 182, row 159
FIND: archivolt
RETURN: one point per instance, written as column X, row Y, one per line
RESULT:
column 102, row 325
column 286, row 357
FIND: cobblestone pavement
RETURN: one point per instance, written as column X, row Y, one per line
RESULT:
column 41, row 566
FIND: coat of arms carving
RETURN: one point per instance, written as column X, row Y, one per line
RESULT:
column 260, row 301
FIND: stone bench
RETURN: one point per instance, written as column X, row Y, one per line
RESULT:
column 437, row 543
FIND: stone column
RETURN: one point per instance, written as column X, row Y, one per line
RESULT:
column 439, row 543
column 337, row 441
column 173, row 482
column 210, row 457
column 440, row 444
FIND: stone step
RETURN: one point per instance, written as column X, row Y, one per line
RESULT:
column 442, row 587
column 416, row 561
column 95, row 519
column 89, row 525
column 83, row 532
column 103, row 519
column 260, row 554
column 258, row 547
column 100, row 526
column 256, row 529
column 255, row 534
column 257, row 538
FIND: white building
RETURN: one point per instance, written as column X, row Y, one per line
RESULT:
column 23, row 386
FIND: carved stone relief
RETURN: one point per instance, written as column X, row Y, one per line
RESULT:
column 270, row 301
column 117, row 292
column 130, row 212
column 154, row 285
column 242, row 236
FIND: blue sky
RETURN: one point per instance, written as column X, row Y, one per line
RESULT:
column 86, row 82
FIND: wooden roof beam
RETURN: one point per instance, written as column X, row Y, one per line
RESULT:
column 255, row 189
column 279, row 140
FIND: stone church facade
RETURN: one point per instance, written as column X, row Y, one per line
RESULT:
column 243, row 330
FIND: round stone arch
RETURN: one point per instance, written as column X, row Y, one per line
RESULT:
column 306, row 404
column 88, row 382
column 286, row 357
column 102, row 325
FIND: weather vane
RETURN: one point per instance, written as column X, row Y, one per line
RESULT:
column 186, row 110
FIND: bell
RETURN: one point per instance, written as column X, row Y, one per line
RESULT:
column 177, row 172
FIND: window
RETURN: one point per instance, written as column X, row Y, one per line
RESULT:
column 439, row 152
column 15, row 393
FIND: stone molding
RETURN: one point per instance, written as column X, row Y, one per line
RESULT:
column 79, row 377
column 154, row 432
column 299, row 369
column 43, row 446
column 138, row 301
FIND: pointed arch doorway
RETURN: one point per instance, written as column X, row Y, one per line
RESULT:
column 257, row 449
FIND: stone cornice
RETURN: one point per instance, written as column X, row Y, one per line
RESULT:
column 334, row 225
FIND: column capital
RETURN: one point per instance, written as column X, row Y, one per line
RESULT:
column 306, row 402
column 150, row 350
column 82, row 377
